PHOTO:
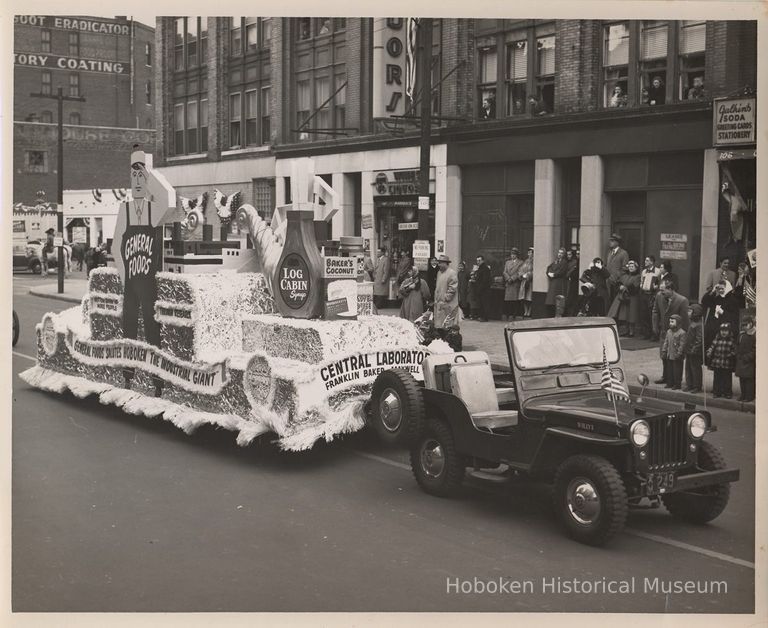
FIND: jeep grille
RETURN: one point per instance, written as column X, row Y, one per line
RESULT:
column 668, row 446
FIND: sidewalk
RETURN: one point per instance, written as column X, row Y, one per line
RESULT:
column 489, row 337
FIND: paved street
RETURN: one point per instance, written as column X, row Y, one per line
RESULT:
column 119, row 513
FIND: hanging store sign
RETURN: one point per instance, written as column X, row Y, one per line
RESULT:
column 388, row 67
column 674, row 246
column 401, row 183
column 734, row 121
column 74, row 64
column 73, row 24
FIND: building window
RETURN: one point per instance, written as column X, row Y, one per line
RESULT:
column 653, row 62
column 74, row 85
column 615, row 64
column 517, row 77
column 235, row 38
column 191, row 42
column 692, row 40
column 322, row 102
column 148, row 92
column 251, row 33
column 545, row 74
column 46, row 116
column 74, row 118
column 74, row 44
column 323, row 25
column 179, row 44
column 234, row 121
column 178, row 129
column 303, row 106
column 266, row 112
column 341, row 102
column 147, row 54
column 45, row 40
column 339, row 23
column 204, row 126
column 487, row 86
column 45, row 85
column 191, row 124
column 203, row 40
column 36, row 161
column 251, row 118
column 266, row 31
column 304, row 30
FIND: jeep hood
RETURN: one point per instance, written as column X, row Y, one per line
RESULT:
column 594, row 405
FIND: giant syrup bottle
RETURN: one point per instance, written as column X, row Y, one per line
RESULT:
column 298, row 282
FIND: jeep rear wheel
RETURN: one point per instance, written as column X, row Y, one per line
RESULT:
column 397, row 407
column 703, row 504
column 590, row 499
column 438, row 469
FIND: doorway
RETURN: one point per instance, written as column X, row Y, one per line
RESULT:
column 633, row 239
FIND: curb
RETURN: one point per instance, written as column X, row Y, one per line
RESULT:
column 55, row 295
column 671, row 395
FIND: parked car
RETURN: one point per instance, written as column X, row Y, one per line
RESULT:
column 552, row 421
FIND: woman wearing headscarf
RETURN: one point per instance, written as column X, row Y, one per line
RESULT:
column 526, row 283
column 721, row 305
column 512, row 285
column 415, row 295
column 630, row 302
column 595, row 287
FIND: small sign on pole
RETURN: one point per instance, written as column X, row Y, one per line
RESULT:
column 423, row 202
column 58, row 241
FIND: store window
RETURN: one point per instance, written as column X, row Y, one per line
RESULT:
column 74, row 118
column 615, row 65
column 74, row 85
column 516, row 68
column 692, row 56
column 45, row 40
column 45, row 82
column 46, row 116
column 74, row 44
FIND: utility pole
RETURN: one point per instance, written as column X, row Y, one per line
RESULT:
column 60, row 97
column 425, row 77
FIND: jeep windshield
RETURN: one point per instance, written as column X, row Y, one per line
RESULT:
column 559, row 348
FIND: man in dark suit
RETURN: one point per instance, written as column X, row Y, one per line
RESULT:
column 615, row 261
column 717, row 275
column 667, row 303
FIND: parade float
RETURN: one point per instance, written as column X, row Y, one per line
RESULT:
column 264, row 335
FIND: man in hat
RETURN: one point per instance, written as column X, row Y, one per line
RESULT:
column 446, row 295
column 615, row 261
column 139, row 238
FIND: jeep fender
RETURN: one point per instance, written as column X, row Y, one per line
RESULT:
column 558, row 443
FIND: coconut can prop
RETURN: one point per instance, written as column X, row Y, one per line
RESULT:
column 249, row 344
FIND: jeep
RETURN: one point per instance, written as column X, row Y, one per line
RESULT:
column 553, row 421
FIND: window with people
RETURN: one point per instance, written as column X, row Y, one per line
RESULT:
column 641, row 58
column 515, row 68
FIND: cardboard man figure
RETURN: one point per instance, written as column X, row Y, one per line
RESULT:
column 140, row 248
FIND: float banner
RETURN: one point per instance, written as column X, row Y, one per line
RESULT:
column 362, row 367
column 128, row 353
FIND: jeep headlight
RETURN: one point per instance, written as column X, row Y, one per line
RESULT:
column 640, row 432
column 697, row 425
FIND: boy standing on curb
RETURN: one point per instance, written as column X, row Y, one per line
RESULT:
column 673, row 351
column 745, row 360
column 721, row 357
column 693, row 350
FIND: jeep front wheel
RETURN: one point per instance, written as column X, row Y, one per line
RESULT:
column 437, row 467
column 397, row 407
column 590, row 499
column 704, row 504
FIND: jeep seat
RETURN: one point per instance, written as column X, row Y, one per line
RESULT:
column 473, row 383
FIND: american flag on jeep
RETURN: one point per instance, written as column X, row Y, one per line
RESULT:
column 613, row 388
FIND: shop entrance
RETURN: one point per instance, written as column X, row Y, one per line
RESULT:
column 397, row 223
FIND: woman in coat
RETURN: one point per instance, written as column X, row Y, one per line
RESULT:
column 526, row 283
column 572, row 277
column 432, row 274
column 415, row 295
column 512, row 285
column 629, row 297
column 595, row 278
column 463, row 288
column 721, row 305
column 558, row 284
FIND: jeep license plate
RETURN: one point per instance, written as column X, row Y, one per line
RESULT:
column 660, row 482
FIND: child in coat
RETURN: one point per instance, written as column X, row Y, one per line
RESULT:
column 721, row 357
column 673, row 352
column 694, row 354
column 745, row 360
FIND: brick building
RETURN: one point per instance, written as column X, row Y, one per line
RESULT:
column 546, row 133
column 108, row 62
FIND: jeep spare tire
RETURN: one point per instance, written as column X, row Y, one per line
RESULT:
column 590, row 499
column 397, row 407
